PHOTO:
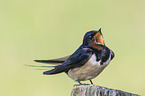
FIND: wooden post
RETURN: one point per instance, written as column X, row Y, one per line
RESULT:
column 94, row 90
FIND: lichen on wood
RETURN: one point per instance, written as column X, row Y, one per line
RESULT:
column 94, row 90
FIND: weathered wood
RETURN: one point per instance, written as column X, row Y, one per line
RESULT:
column 94, row 90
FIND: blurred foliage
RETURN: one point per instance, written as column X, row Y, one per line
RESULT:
column 44, row 29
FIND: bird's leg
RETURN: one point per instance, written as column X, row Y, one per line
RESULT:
column 91, row 81
column 79, row 82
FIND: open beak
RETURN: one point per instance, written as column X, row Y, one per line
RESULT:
column 99, row 38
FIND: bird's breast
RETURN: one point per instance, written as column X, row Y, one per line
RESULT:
column 89, row 70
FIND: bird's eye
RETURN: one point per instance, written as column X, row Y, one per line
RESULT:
column 90, row 37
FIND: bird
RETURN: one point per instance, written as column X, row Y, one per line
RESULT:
column 87, row 62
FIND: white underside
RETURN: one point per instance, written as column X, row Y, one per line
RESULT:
column 88, row 71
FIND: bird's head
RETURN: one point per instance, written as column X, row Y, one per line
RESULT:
column 94, row 39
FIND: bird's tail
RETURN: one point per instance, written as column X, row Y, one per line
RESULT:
column 56, row 70
column 40, row 67
column 57, row 61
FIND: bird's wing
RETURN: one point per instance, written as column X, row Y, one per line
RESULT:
column 57, row 61
column 78, row 59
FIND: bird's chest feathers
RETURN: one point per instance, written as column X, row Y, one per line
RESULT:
column 92, row 62
column 89, row 70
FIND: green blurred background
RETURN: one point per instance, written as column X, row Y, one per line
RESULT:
column 46, row 29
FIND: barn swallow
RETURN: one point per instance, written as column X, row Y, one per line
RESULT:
column 87, row 62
